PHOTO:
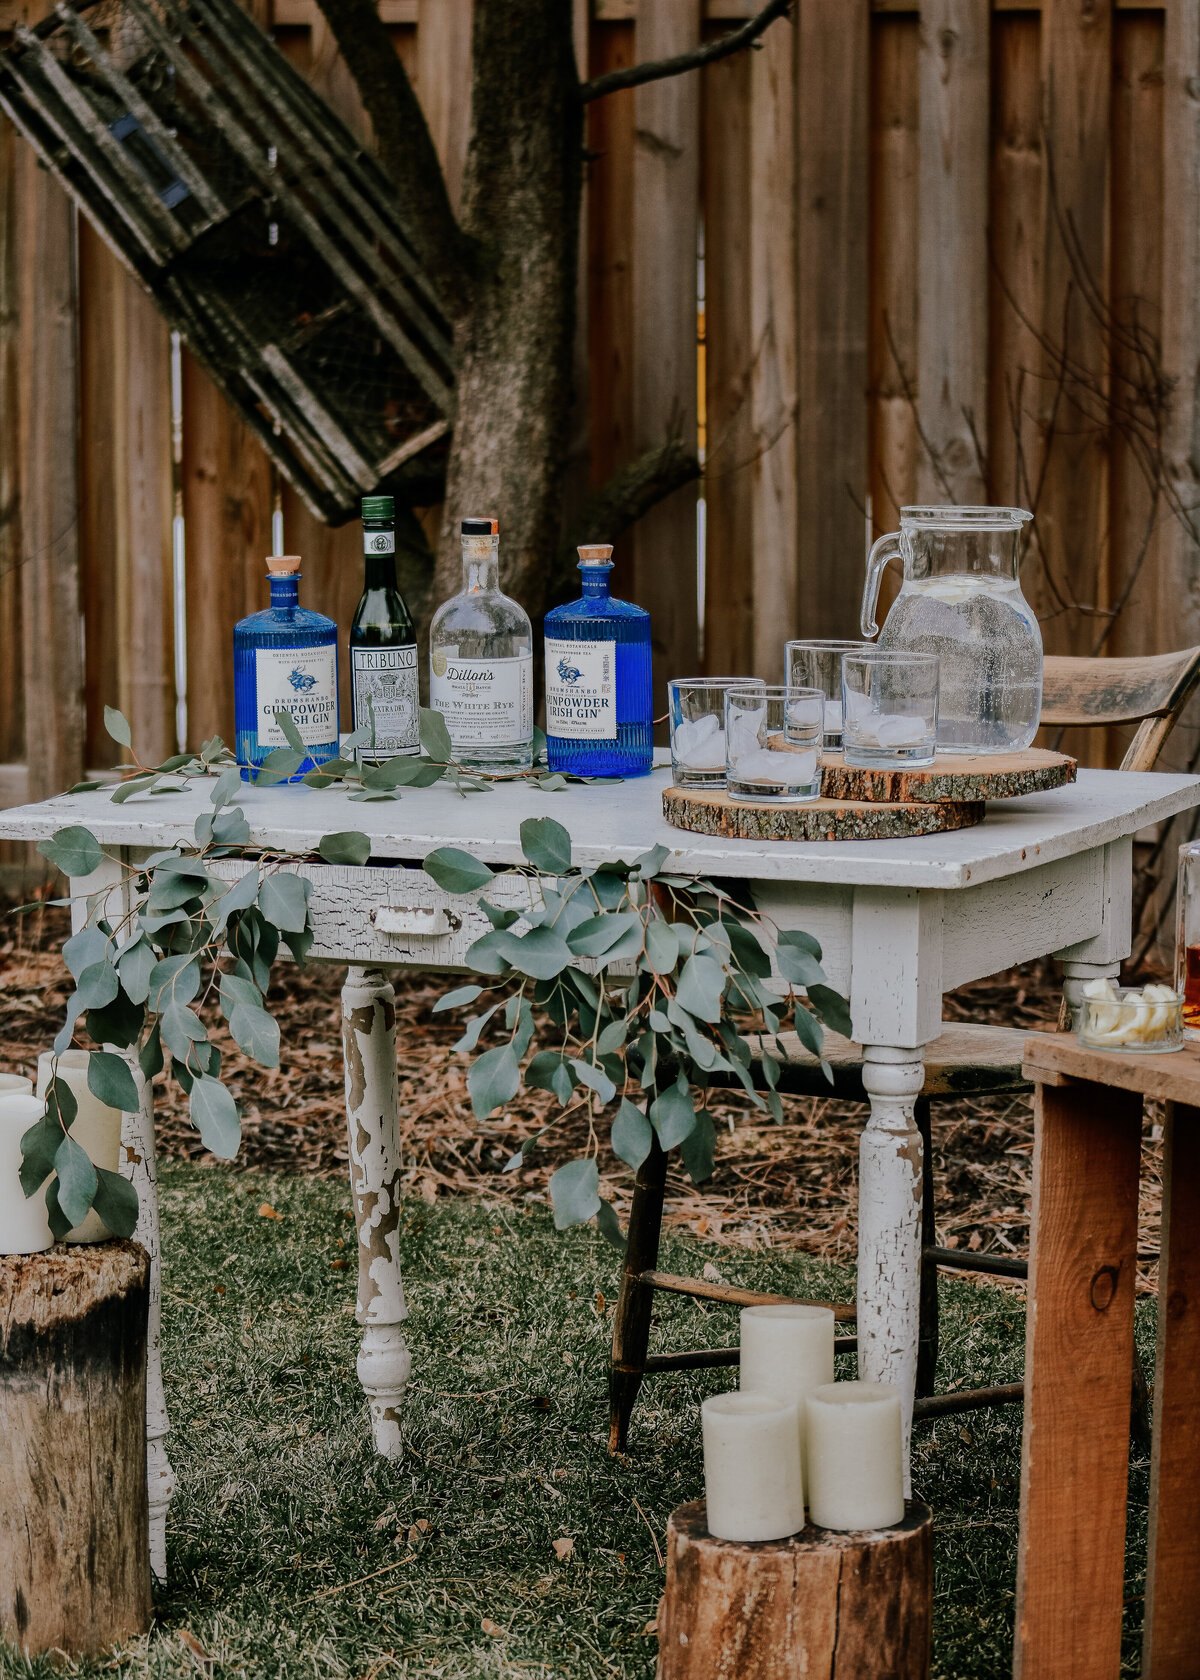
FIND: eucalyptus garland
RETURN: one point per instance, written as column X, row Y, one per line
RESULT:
column 653, row 984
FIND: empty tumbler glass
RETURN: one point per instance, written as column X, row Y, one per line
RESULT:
column 819, row 665
column 697, row 710
column 773, row 740
column 889, row 707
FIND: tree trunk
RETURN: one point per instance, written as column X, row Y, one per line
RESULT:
column 521, row 197
column 840, row 1606
column 74, row 1520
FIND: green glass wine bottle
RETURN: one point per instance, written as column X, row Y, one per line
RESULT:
column 383, row 644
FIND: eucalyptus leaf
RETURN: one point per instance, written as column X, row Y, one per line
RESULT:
column 798, row 966
column 435, row 736
column 493, row 1080
column 613, row 1036
column 595, row 1080
column 173, row 980
column 135, row 965
column 348, row 845
column 215, row 1116
column 458, row 998
column 235, row 990
column 39, row 1146
column 76, row 1180
column 649, row 863
column 609, row 1226
column 632, row 1134
column 75, row 851
column 600, row 933
column 403, row 771
column 135, row 784
column 110, row 1080
column 831, row 1006
column 808, row 1030
column 227, row 784
column 83, row 949
column 256, row 1033
column 540, row 953
column 291, row 734
column 170, row 890
column 798, row 940
column 498, row 918
column 180, row 1029
column 116, row 727
column 150, row 1056
column 98, row 985
column 551, row 1071
column 699, row 1148
column 673, row 1113
column 283, row 900
column 240, row 896
column 662, row 948
column 546, row 845
column 116, row 1202
column 575, row 1193
column 230, row 828
column 747, row 951
column 701, row 984
column 119, row 1022
column 456, row 871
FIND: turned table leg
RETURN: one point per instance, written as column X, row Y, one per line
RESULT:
column 137, row 1165
column 369, row 1049
column 1171, row 1642
column 889, row 1228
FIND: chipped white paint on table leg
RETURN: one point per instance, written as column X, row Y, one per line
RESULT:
column 369, row 1050
column 137, row 1165
column 889, row 1228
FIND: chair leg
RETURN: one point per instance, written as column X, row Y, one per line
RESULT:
column 631, row 1322
column 927, row 1343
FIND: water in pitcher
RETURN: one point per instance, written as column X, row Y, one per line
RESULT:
column 986, row 637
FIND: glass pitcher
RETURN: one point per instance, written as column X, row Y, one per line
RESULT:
column 961, row 599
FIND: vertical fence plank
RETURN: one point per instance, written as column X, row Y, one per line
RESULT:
column 147, row 608
column 952, row 359
column 12, row 710
column 666, row 166
column 50, row 596
column 101, row 284
column 443, row 83
column 895, row 213
column 832, row 95
column 773, row 334
column 1015, row 275
column 610, row 125
column 1072, row 513
column 227, row 520
column 729, row 583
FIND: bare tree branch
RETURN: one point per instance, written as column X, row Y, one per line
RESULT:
column 406, row 149
column 631, row 492
column 654, row 71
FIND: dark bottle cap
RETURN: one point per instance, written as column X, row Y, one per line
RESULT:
column 379, row 507
column 480, row 527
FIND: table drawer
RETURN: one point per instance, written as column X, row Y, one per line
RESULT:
column 385, row 915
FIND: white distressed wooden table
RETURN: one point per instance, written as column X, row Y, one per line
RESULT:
column 900, row 922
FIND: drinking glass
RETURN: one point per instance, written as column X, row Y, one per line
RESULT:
column 697, row 708
column 773, row 742
column 819, row 665
column 889, row 707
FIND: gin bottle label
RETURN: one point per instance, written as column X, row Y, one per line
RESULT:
column 387, row 677
column 581, row 690
column 302, row 681
column 485, row 702
column 379, row 542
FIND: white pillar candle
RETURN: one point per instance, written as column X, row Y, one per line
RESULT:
column 15, row 1085
column 96, row 1128
column 24, row 1221
column 752, row 1478
column 856, row 1476
column 787, row 1351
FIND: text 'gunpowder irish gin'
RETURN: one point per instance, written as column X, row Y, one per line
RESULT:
column 598, row 684
column 383, row 644
column 285, row 660
column 481, row 662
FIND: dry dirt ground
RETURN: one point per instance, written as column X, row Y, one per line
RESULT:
column 785, row 1186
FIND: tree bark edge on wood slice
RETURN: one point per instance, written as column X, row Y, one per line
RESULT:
column 842, row 1606
column 956, row 776
column 715, row 813
column 74, row 1516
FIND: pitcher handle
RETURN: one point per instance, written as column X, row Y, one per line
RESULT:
column 884, row 548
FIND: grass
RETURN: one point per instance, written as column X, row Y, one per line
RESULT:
column 294, row 1551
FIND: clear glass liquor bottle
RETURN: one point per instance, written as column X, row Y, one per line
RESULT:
column 285, row 659
column 383, row 644
column 599, row 716
column 481, row 662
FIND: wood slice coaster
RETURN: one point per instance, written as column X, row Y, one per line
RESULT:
column 702, row 812
column 950, row 776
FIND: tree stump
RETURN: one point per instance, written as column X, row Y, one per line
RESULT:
column 717, row 814
column 855, row 1606
column 74, row 1520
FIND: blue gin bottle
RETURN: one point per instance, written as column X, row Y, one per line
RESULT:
column 285, row 659
column 598, row 686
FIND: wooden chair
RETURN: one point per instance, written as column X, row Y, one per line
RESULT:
column 967, row 1059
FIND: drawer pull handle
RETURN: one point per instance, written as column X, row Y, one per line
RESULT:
column 415, row 920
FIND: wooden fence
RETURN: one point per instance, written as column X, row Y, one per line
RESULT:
column 949, row 251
